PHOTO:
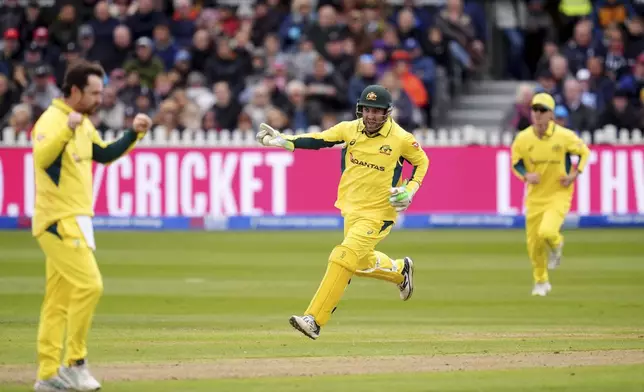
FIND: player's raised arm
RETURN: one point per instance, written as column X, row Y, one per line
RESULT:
column 50, row 138
column 103, row 152
column 268, row 136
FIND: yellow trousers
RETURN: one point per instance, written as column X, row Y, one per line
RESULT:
column 355, row 256
column 72, row 291
column 543, row 225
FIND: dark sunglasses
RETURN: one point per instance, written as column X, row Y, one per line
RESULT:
column 540, row 109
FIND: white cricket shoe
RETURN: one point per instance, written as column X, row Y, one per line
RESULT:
column 79, row 378
column 541, row 289
column 407, row 286
column 306, row 325
column 554, row 259
column 53, row 384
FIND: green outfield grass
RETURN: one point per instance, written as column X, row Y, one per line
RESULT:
column 216, row 297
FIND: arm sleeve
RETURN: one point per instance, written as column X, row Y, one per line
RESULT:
column 576, row 146
column 518, row 166
column 318, row 140
column 103, row 152
column 49, row 141
column 413, row 153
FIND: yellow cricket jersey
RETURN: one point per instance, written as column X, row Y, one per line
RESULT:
column 371, row 165
column 550, row 157
column 63, row 165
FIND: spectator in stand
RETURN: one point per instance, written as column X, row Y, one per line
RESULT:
column 403, row 111
column 167, row 118
column 411, row 84
column 297, row 23
column 21, row 119
column 119, row 50
column 621, row 113
column 581, row 46
column 300, row 111
column 457, row 26
column 517, row 118
column 259, row 105
column 365, row 75
column 103, row 24
column 65, row 29
column 600, row 84
column 182, row 25
column 112, row 110
column 9, row 96
column 226, row 109
column 164, row 45
column 43, row 88
column 634, row 81
column 145, row 63
column 610, row 12
column 562, row 118
column 580, row 117
column 588, row 97
column 145, row 19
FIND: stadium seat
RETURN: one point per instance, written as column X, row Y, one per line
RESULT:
column 212, row 138
column 8, row 136
column 636, row 137
column 22, row 140
column 174, row 137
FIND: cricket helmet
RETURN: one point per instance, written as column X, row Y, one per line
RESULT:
column 378, row 97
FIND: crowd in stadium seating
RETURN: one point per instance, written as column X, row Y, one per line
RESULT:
column 594, row 68
column 232, row 64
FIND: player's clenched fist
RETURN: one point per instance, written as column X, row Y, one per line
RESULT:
column 74, row 119
column 142, row 123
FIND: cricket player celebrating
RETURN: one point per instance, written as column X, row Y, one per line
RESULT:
column 64, row 145
column 541, row 157
column 370, row 195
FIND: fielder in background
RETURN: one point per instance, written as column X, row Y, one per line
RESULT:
column 370, row 195
column 65, row 143
column 541, row 157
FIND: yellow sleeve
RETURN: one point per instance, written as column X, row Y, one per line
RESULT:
column 518, row 165
column 103, row 152
column 413, row 153
column 49, row 140
column 317, row 140
column 576, row 146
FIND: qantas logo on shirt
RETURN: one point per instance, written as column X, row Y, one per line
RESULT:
column 357, row 161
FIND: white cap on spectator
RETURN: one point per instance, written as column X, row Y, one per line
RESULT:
column 583, row 74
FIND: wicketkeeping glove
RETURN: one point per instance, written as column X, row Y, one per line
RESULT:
column 270, row 137
column 401, row 197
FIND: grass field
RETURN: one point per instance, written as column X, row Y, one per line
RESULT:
column 209, row 312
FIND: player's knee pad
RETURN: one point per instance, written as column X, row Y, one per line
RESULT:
column 344, row 257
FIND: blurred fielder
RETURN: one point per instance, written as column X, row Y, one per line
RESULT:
column 64, row 145
column 541, row 156
column 370, row 195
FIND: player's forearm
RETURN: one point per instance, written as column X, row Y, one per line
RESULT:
column 313, row 142
column 113, row 151
column 584, row 153
column 48, row 147
column 519, row 170
column 418, row 174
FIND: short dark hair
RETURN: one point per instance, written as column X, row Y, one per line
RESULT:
column 78, row 73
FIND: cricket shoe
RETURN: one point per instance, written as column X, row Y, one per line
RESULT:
column 541, row 289
column 53, row 384
column 306, row 325
column 79, row 378
column 407, row 286
column 554, row 259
